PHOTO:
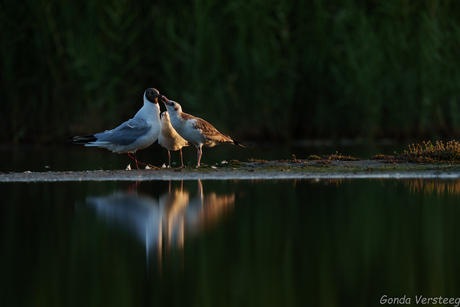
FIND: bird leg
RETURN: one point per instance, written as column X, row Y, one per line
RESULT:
column 134, row 158
column 169, row 158
column 138, row 162
column 199, row 153
column 181, row 159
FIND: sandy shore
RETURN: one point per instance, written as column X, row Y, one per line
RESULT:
column 253, row 171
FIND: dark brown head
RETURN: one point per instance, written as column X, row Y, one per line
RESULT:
column 152, row 95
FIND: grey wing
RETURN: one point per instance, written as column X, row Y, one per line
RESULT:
column 126, row 133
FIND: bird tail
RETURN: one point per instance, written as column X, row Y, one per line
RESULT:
column 239, row 143
column 82, row 139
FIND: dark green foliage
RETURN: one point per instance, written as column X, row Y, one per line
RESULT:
column 265, row 69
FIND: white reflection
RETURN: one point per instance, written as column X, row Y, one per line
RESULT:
column 166, row 221
column 137, row 214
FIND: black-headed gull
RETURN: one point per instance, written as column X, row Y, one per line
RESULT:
column 137, row 133
column 170, row 139
column 194, row 129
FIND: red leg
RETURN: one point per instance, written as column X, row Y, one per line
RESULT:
column 135, row 159
column 131, row 157
column 137, row 164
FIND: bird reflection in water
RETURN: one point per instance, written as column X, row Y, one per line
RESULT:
column 164, row 222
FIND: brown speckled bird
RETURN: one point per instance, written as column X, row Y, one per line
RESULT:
column 194, row 129
column 170, row 139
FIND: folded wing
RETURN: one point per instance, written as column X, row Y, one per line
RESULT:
column 125, row 134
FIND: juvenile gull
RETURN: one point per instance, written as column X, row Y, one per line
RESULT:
column 137, row 133
column 170, row 139
column 194, row 129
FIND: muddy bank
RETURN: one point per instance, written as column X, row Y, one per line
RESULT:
column 253, row 170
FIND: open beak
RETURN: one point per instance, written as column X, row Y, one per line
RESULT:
column 165, row 100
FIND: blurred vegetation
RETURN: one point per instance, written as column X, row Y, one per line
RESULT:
column 256, row 69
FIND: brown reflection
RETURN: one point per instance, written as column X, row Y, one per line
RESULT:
column 212, row 208
column 182, row 213
column 429, row 186
column 165, row 221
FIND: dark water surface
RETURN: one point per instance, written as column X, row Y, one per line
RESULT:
column 228, row 243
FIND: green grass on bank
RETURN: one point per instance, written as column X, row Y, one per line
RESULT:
column 255, row 69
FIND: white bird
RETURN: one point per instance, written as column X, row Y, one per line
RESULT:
column 170, row 139
column 194, row 129
column 139, row 132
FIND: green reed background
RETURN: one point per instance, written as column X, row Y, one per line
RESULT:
column 256, row 69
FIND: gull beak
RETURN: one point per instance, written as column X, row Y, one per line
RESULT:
column 165, row 100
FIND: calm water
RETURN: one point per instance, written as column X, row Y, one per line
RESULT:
column 228, row 243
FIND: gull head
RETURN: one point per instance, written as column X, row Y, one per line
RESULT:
column 152, row 95
column 166, row 122
column 164, row 116
column 171, row 105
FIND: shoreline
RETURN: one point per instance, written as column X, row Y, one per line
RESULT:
column 260, row 170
